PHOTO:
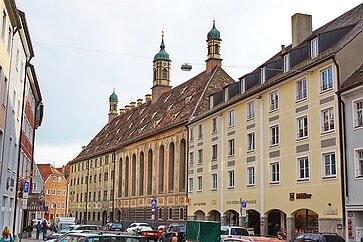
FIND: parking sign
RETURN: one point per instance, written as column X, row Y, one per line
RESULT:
column 26, row 187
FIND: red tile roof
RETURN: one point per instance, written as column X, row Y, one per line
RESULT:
column 47, row 169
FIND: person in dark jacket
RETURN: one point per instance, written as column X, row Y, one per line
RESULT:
column 44, row 229
column 39, row 228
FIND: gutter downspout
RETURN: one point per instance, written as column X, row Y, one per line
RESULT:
column 222, row 167
column 262, row 170
column 342, row 141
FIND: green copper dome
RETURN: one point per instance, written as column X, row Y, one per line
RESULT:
column 113, row 97
column 214, row 33
column 162, row 55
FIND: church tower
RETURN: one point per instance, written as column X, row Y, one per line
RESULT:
column 161, row 76
column 214, row 43
column 113, row 106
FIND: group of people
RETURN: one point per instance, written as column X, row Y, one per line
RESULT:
column 41, row 227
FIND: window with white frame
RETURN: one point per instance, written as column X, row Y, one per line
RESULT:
column 231, row 179
column 191, row 135
column 200, row 131
column 301, row 90
column 303, row 165
column 358, row 163
column 330, row 167
column 314, row 50
column 200, row 156
column 243, row 85
column 54, row 204
column 214, row 125
column 53, row 192
column 211, row 102
column 214, row 152
column 358, row 113
column 191, row 158
column 274, row 101
column 251, row 177
column 327, row 119
column 326, row 79
column 251, row 141
column 251, row 110
column 230, row 118
column 54, row 178
column 48, row 191
column 263, row 75
column 34, row 188
column 274, row 135
column 59, row 192
column 190, row 184
column 59, row 179
column 64, row 193
column 231, row 147
column 302, row 127
column 275, row 172
column 199, row 183
column 286, row 62
column 226, row 94
column 214, row 181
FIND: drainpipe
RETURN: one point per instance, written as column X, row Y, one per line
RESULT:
column 342, row 141
column 262, row 169
column 222, row 167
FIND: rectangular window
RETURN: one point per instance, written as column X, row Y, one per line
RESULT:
column 301, row 90
column 63, row 205
column 34, row 186
column 251, row 176
column 226, row 94
column 231, row 147
column 286, row 63
column 326, row 79
column 314, row 51
column 302, row 127
column 53, row 192
column 274, row 172
column 211, row 102
column 243, row 85
column 263, row 75
column 359, row 163
column 99, row 195
column 251, row 110
column 54, row 178
column 5, row 91
column 190, row 184
column 64, row 193
column 199, row 183
column 191, row 135
column 105, row 177
column 200, row 156
column 214, row 125
column 3, row 26
column 214, row 181
column 9, row 40
column 358, row 113
column 231, row 179
column 200, row 131
column 274, row 101
column 274, row 135
column 327, row 119
column 191, row 158
column 303, row 168
column 214, row 152
column 330, row 168
column 105, row 195
column 48, row 192
column 59, row 192
column 230, row 118
column 250, row 142
column 54, row 204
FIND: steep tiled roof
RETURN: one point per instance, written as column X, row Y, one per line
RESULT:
column 46, row 170
column 354, row 80
column 173, row 108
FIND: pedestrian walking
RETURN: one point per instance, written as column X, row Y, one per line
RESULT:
column 39, row 228
column 44, row 229
column 6, row 235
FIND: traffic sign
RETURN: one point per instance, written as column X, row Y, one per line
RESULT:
column 26, row 187
column 244, row 204
column 153, row 203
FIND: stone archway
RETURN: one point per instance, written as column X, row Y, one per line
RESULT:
column 253, row 221
column 232, row 217
column 214, row 215
column 306, row 221
column 276, row 220
column 118, row 217
column 199, row 215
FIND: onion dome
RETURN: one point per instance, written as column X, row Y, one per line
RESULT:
column 214, row 33
column 162, row 55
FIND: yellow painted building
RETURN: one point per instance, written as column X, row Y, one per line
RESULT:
column 271, row 141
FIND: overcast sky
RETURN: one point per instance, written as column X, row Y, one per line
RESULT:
column 85, row 48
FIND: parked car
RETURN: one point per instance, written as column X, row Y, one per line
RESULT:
column 321, row 237
column 74, row 228
column 114, row 227
column 230, row 231
column 139, row 227
column 250, row 239
column 83, row 237
column 173, row 230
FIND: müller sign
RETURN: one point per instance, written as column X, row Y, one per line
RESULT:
column 301, row 195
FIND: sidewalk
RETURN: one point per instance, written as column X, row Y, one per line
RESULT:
column 32, row 239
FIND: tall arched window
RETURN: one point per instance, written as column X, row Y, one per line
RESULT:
column 182, row 154
column 155, row 74
column 161, row 169
column 133, row 174
column 127, row 176
column 149, row 172
column 170, row 214
column 119, row 179
column 171, row 167
column 165, row 74
column 216, row 48
column 141, row 174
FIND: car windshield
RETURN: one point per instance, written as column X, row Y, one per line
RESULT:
column 239, row 231
column 117, row 226
column 71, row 238
column 63, row 231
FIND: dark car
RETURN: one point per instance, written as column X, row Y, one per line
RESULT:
column 101, row 237
column 114, row 227
column 321, row 237
column 177, row 230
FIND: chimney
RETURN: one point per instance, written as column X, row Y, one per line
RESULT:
column 301, row 28
column 127, row 108
column 282, row 48
column 122, row 110
column 132, row 104
column 139, row 102
column 147, row 98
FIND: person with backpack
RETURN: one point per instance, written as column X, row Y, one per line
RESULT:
column 44, row 229
column 39, row 228
column 6, row 235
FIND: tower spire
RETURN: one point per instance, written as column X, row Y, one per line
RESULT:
column 214, row 41
column 113, row 106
